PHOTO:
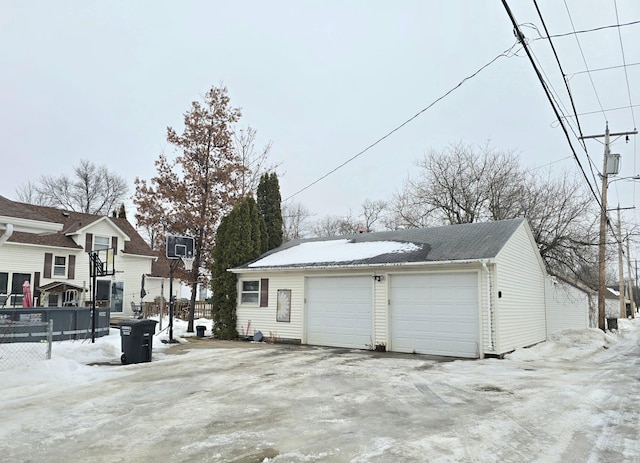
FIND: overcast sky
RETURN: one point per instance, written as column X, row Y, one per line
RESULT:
column 321, row 80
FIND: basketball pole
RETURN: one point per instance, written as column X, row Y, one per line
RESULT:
column 171, row 301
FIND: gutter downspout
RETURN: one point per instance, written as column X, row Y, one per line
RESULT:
column 7, row 233
column 489, row 308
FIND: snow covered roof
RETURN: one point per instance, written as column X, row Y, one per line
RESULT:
column 446, row 243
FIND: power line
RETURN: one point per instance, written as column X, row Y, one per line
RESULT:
column 566, row 34
column 566, row 84
column 564, row 76
column 584, row 59
column 523, row 42
column 608, row 68
column 507, row 53
column 619, row 108
column 626, row 76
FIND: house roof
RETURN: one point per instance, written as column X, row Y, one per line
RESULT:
column 71, row 222
column 59, row 287
column 460, row 242
column 160, row 266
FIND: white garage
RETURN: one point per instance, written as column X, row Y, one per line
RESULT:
column 467, row 290
column 339, row 311
column 435, row 313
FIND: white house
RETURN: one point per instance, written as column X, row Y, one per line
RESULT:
column 50, row 247
column 468, row 290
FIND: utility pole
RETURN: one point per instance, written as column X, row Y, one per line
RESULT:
column 603, row 220
column 623, row 306
column 632, row 301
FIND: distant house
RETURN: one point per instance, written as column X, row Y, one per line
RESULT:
column 469, row 290
column 570, row 304
column 50, row 247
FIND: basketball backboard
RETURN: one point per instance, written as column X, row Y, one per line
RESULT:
column 179, row 247
column 102, row 262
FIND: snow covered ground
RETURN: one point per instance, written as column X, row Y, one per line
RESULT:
column 575, row 398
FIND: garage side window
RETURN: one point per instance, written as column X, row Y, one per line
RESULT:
column 250, row 292
column 255, row 292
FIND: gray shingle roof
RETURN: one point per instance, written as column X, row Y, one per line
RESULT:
column 436, row 244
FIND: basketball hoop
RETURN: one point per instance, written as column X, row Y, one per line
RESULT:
column 188, row 263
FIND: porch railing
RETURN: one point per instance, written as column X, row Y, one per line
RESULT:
column 181, row 309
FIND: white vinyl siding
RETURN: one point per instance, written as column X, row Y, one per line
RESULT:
column 519, row 294
column 252, row 318
column 567, row 306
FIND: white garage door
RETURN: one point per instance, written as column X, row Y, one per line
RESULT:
column 339, row 311
column 435, row 313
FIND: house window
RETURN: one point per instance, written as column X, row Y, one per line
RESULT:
column 60, row 266
column 100, row 242
column 250, row 292
column 103, row 288
column 17, row 280
column 255, row 292
column 117, row 296
column 4, row 281
column 110, row 294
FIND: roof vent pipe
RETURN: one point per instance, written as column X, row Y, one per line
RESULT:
column 8, row 231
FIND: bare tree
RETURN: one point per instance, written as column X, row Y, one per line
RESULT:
column 295, row 221
column 335, row 226
column 465, row 184
column 28, row 193
column 563, row 218
column 255, row 162
column 407, row 210
column 92, row 190
column 372, row 211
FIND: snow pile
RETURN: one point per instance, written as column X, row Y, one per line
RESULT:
column 332, row 251
column 572, row 344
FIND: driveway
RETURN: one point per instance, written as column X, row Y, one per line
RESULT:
column 243, row 402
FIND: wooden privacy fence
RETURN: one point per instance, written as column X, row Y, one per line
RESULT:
column 180, row 310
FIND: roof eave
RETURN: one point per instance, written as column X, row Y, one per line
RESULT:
column 37, row 227
column 359, row 266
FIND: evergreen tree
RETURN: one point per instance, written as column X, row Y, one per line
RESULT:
column 237, row 242
column 269, row 209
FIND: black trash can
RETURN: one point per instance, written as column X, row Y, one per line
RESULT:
column 200, row 329
column 612, row 323
column 137, row 340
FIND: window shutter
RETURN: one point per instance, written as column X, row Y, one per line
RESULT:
column 88, row 242
column 36, row 283
column 264, row 292
column 114, row 244
column 48, row 261
column 71, row 271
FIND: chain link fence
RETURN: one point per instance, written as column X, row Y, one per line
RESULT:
column 24, row 342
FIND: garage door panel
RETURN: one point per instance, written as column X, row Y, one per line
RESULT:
column 339, row 311
column 435, row 314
